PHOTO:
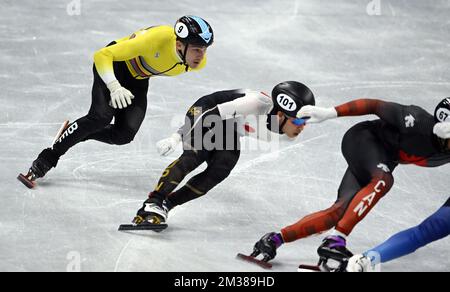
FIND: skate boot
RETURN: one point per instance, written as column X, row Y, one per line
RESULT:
column 334, row 248
column 46, row 160
column 154, row 211
column 267, row 246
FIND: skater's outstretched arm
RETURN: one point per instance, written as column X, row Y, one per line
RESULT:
column 404, row 118
column 434, row 228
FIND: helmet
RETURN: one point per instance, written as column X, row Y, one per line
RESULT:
column 194, row 30
column 290, row 96
column 442, row 112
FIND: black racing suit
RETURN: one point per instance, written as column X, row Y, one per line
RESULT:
column 221, row 160
column 96, row 124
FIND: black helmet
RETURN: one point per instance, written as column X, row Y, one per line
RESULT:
column 290, row 96
column 194, row 30
column 442, row 112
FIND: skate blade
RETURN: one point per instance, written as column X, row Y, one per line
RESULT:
column 250, row 259
column 28, row 183
column 61, row 131
column 322, row 266
column 308, row 268
column 143, row 227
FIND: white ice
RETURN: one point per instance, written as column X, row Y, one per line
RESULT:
column 335, row 47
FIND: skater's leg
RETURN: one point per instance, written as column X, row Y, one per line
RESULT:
column 153, row 209
column 99, row 116
column 175, row 173
column 373, row 166
column 369, row 164
column 219, row 168
column 434, row 228
column 127, row 121
column 326, row 219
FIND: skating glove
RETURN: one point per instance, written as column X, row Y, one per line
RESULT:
column 442, row 130
column 359, row 264
column 317, row 114
column 120, row 96
column 167, row 146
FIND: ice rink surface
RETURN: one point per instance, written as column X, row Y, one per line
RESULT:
column 335, row 47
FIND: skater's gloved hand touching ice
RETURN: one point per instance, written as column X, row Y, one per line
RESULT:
column 120, row 96
column 317, row 114
column 442, row 130
column 168, row 146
